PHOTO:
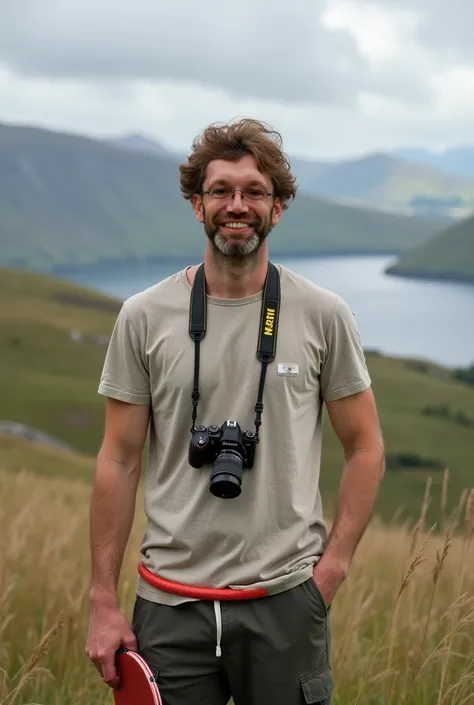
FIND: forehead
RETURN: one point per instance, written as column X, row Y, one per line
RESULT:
column 244, row 170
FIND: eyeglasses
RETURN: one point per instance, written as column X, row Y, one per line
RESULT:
column 222, row 193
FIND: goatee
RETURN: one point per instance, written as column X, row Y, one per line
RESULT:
column 234, row 250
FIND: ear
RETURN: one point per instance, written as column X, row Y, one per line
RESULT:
column 198, row 207
column 277, row 211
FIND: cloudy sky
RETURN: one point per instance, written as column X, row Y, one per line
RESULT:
column 335, row 77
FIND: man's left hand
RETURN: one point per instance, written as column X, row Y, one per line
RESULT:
column 328, row 575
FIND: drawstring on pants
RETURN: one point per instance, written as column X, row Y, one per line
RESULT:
column 217, row 610
column 202, row 593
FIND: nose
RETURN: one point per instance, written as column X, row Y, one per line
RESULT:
column 237, row 203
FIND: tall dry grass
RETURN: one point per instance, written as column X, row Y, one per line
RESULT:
column 402, row 624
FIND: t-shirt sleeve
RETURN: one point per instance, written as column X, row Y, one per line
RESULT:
column 344, row 370
column 125, row 374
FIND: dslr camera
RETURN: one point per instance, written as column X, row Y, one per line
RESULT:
column 229, row 449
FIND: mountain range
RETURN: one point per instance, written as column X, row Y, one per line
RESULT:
column 68, row 201
column 412, row 182
column 456, row 160
column 386, row 182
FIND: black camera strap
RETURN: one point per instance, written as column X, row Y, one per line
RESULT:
column 267, row 334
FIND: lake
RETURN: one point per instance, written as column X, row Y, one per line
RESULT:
column 424, row 319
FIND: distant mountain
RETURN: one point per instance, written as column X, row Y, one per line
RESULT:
column 68, row 201
column 457, row 160
column 448, row 255
column 140, row 143
column 378, row 181
column 387, row 182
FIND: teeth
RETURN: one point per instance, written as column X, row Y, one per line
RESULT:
column 236, row 225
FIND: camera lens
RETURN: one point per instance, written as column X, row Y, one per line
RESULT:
column 226, row 475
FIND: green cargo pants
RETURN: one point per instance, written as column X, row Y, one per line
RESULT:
column 269, row 651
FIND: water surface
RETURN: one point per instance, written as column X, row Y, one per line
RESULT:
column 425, row 319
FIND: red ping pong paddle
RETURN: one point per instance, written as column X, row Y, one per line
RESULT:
column 137, row 684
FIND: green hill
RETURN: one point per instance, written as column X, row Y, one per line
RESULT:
column 53, row 339
column 69, row 201
column 18, row 454
column 448, row 255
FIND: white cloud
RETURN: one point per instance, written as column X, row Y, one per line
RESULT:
column 381, row 33
column 336, row 77
column 446, row 26
column 274, row 51
column 454, row 89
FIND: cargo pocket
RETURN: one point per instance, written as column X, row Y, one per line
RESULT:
column 317, row 686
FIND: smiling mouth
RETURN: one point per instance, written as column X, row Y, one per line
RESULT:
column 236, row 225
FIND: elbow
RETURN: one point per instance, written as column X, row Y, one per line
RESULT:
column 123, row 456
column 371, row 450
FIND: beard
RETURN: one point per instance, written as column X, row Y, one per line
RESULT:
column 237, row 250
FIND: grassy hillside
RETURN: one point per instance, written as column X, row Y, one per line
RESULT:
column 384, row 180
column 389, row 645
column 449, row 255
column 18, row 455
column 49, row 380
column 68, row 200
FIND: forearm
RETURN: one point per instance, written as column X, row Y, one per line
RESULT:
column 357, row 495
column 111, row 519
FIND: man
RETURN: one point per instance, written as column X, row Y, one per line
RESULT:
column 253, row 533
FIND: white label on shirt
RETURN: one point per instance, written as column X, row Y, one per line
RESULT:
column 288, row 369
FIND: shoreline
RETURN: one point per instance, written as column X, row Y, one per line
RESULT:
column 110, row 265
column 441, row 276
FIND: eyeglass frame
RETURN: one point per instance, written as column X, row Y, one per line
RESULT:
column 232, row 192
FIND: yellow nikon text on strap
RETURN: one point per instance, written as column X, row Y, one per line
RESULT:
column 269, row 321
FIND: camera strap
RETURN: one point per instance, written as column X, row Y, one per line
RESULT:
column 268, row 330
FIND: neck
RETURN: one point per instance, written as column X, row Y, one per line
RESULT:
column 230, row 279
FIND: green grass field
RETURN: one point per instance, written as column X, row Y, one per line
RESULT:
column 49, row 381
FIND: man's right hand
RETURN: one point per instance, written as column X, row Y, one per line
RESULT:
column 108, row 631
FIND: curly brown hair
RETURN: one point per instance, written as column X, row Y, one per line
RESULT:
column 232, row 141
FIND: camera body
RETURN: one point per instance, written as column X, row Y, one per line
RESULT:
column 229, row 449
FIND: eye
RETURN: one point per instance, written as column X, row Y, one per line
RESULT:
column 220, row 192
column 255, row 193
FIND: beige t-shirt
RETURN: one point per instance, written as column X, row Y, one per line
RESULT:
column 274, row 532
